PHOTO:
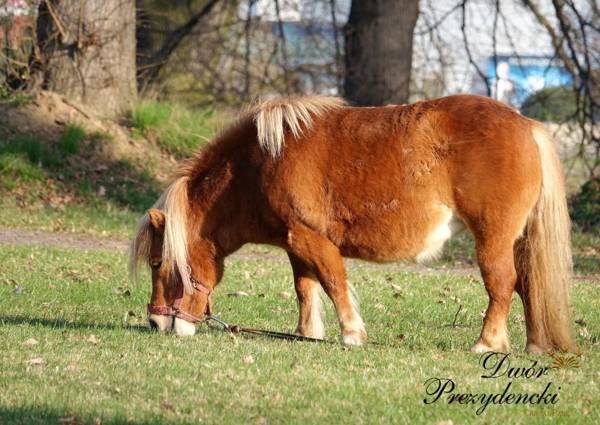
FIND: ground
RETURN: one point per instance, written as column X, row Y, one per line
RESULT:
column 75, row 347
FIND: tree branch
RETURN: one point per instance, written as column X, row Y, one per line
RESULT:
column 174, row 39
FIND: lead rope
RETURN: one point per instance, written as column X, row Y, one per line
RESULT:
column 235, row 329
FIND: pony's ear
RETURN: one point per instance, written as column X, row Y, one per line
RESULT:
column 157, row 218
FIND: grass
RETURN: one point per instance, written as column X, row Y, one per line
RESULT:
column 176, row 129
column 71, row 139
column 70, row 185
column 126, row 374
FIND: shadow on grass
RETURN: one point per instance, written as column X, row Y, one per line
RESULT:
column 68, row 324
column 34, row 415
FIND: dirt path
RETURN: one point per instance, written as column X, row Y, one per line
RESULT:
column 13, row 236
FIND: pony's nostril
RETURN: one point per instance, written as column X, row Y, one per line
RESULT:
column 153, row 324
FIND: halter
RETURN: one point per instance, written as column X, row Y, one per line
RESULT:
column 175, row 310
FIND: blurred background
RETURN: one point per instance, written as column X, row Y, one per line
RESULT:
column 100, row 98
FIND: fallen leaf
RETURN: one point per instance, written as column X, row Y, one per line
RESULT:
column 122, row 291
column 285, row 295
column 18, row 290
column 36, row 361
column 30, row 342
column 584, row 333
column 238, row 294
column 249, row 359
column 92, row 339
column 129, row 314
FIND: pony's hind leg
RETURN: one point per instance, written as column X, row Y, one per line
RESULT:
column 496, row 261
column 323, row 258
column 310, row 320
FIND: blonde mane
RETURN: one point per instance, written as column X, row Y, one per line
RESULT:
column 295, row 112
column 174, row 204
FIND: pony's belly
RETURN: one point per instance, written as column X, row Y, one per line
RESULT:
column 417, row 238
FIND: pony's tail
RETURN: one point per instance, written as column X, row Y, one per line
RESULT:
column 543, row 256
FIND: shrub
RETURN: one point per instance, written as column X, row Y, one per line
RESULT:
column 557, row 104
column 585, row 206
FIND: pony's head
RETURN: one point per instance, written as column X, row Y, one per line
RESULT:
column 185, row 267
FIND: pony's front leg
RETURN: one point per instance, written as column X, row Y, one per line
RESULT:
column 323, row 258
column 310, row 321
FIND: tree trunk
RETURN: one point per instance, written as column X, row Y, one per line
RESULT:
column 379, row 38
column 88, row 49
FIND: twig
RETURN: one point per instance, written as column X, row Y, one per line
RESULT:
column 456, row 315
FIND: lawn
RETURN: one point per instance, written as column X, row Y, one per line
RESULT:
column 75, row 348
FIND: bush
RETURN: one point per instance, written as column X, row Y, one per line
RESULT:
column 585, row 206
column 557, row 104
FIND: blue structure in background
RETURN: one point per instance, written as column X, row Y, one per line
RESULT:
column 514, row 78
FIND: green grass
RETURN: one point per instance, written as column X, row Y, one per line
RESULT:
column 177, row 129
column 72, row 185
column 71, row 139
column 134, row 376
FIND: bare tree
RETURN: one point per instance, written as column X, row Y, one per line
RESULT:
column 88, row 51
column 379, row 39
column 575, row 35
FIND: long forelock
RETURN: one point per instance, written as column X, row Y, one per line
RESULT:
column 174, row 204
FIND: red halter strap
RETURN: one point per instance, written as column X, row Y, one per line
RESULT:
column 175, row 310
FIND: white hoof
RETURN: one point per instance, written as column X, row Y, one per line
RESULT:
column 353, row 339
column 184, row 328
column 480, row 348
column 534, row 349
column 160, row 323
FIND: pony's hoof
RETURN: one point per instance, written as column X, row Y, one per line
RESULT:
column 534, row 349
column 481, row 347
column 354, row 339
column 313, row 333
column 183, row 327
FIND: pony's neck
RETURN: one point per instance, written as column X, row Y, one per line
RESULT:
column 218, row 211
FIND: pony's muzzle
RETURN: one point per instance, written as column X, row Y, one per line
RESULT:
column 183, row 327
column 160, row 323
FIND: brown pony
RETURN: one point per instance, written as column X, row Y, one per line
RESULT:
column 325, row 181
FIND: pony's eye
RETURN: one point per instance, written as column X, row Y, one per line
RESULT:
column 155, row 264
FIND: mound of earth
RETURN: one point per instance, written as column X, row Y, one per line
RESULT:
column 48, row 114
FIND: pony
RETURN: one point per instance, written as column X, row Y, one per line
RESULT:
column 325, row 180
